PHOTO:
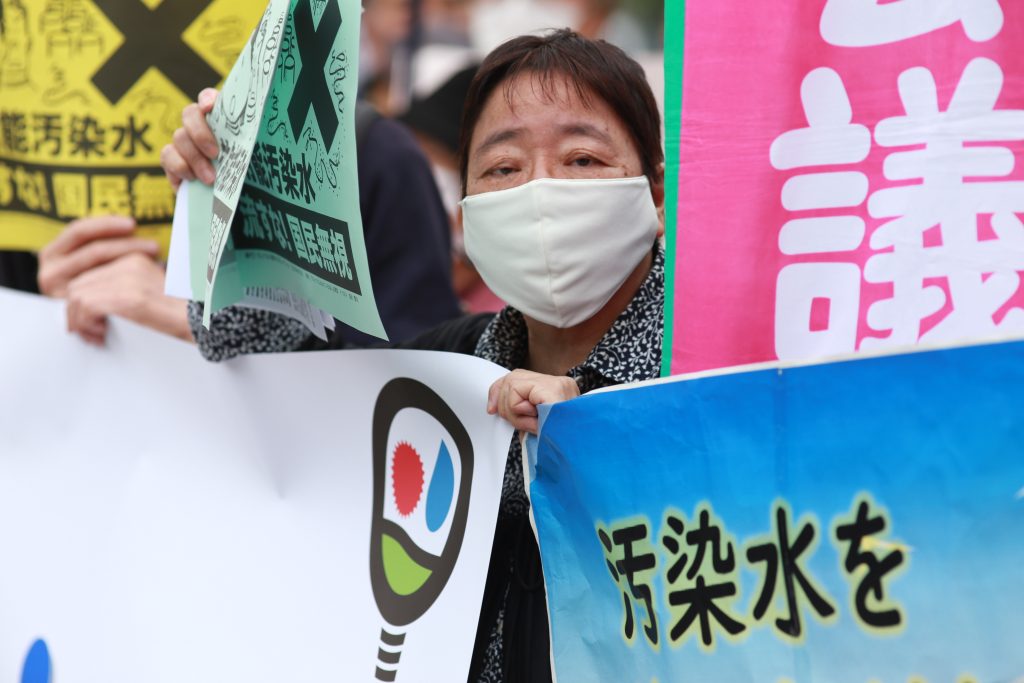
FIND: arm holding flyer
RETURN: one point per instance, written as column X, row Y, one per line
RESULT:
column 194, row 146
column 405, row 225
column 284, row 213
column 310, row 224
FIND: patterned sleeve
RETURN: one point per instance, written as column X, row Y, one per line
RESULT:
column 237, row 330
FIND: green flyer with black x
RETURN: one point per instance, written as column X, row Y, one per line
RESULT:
column 294, row 223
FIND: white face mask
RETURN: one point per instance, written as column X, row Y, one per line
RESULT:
column 556, row 249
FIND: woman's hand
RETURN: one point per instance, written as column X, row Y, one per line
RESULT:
column 193, row 146
column 131, row 287
column 516, row 396
column 85, row 244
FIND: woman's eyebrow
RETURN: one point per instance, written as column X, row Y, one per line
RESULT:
column 569, row 129
column 586, row 130
column 498, row 137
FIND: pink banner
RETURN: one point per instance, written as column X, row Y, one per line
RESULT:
column 850, row 177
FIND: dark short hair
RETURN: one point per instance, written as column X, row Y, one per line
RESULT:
column 594, row 68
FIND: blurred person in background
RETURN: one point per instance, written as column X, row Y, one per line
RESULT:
column 386, row 26
column 455, row 34
column 446, row 21
column 494, row 21
column 609, row 20
column 632, row 25
column 434, row 121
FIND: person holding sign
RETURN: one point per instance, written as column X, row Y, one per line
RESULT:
column 562, row 170
column 102, row 268
column 562, row 175
column 89, row 105
column 89, row 93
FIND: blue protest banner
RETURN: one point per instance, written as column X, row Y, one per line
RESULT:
column 850, row 522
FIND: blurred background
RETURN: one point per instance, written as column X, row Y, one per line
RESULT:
column 410, row 47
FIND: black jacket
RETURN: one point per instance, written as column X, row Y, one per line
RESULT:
column 18, row 271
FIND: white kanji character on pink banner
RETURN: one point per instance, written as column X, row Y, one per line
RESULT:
column 981, row 268
column 925, row 209
column 831, row 139
column 817, row 304
column 864, row 23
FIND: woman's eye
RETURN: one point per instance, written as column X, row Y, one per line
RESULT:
column 503, row 171
column 582, row 161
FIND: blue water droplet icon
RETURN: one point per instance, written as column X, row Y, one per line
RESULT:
column 442, row 488
column 37, row 664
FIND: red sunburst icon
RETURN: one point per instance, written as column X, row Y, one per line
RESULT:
column 407, row 478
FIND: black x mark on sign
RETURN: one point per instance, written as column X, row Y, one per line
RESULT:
column 153, row 38
column 311, row 89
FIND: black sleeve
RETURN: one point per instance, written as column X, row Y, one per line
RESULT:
column 18, row 270
column 458, row 336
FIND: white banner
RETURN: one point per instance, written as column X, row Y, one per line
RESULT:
column 300, row 517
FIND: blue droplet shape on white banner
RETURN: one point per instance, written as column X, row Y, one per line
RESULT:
column 37, row 664
column 442, row 488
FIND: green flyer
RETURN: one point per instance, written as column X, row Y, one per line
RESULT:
column 285, row 210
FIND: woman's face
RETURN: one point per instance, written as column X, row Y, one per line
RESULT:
column 388, row 21
column 550, row 132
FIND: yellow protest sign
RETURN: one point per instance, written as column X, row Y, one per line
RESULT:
column 90, row 91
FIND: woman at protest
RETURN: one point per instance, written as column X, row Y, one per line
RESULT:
column 562, row 172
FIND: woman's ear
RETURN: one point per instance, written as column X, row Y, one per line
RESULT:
column 658, row 195
column 658, row 186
